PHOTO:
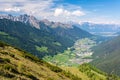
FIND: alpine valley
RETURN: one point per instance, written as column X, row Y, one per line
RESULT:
column 32, row 49
column 40, row 37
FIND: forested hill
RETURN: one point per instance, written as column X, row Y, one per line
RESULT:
column 48, row 39
column 107, row 56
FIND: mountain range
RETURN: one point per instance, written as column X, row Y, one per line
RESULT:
column 40, row 37
column 107, row 30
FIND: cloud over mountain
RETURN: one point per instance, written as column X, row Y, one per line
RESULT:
column 15, row 9
column 61, row 12
column 42, row 9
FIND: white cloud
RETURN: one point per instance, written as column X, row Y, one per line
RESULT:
column 43, row 9
column 78, row 13
column 26, row 5
column 58, row 12
column 63, row 12
column 52, row 10
column 15, row 9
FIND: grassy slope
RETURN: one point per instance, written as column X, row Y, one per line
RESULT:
column 76, row 71
column 84, row 75
column 16, row 64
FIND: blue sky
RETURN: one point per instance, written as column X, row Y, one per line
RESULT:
column 95, row 11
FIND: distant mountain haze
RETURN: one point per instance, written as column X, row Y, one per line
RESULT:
column 107, row 30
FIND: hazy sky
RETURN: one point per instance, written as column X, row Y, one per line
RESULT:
column 95, row 11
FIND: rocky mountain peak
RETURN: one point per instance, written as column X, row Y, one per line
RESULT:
column 27, row 19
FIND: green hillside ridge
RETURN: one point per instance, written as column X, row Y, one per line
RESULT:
column 40, row 42
column 17, row 64
column 107, row 56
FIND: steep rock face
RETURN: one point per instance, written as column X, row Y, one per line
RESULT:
column 56, row 24
column 23, row 18
column 31, row 20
